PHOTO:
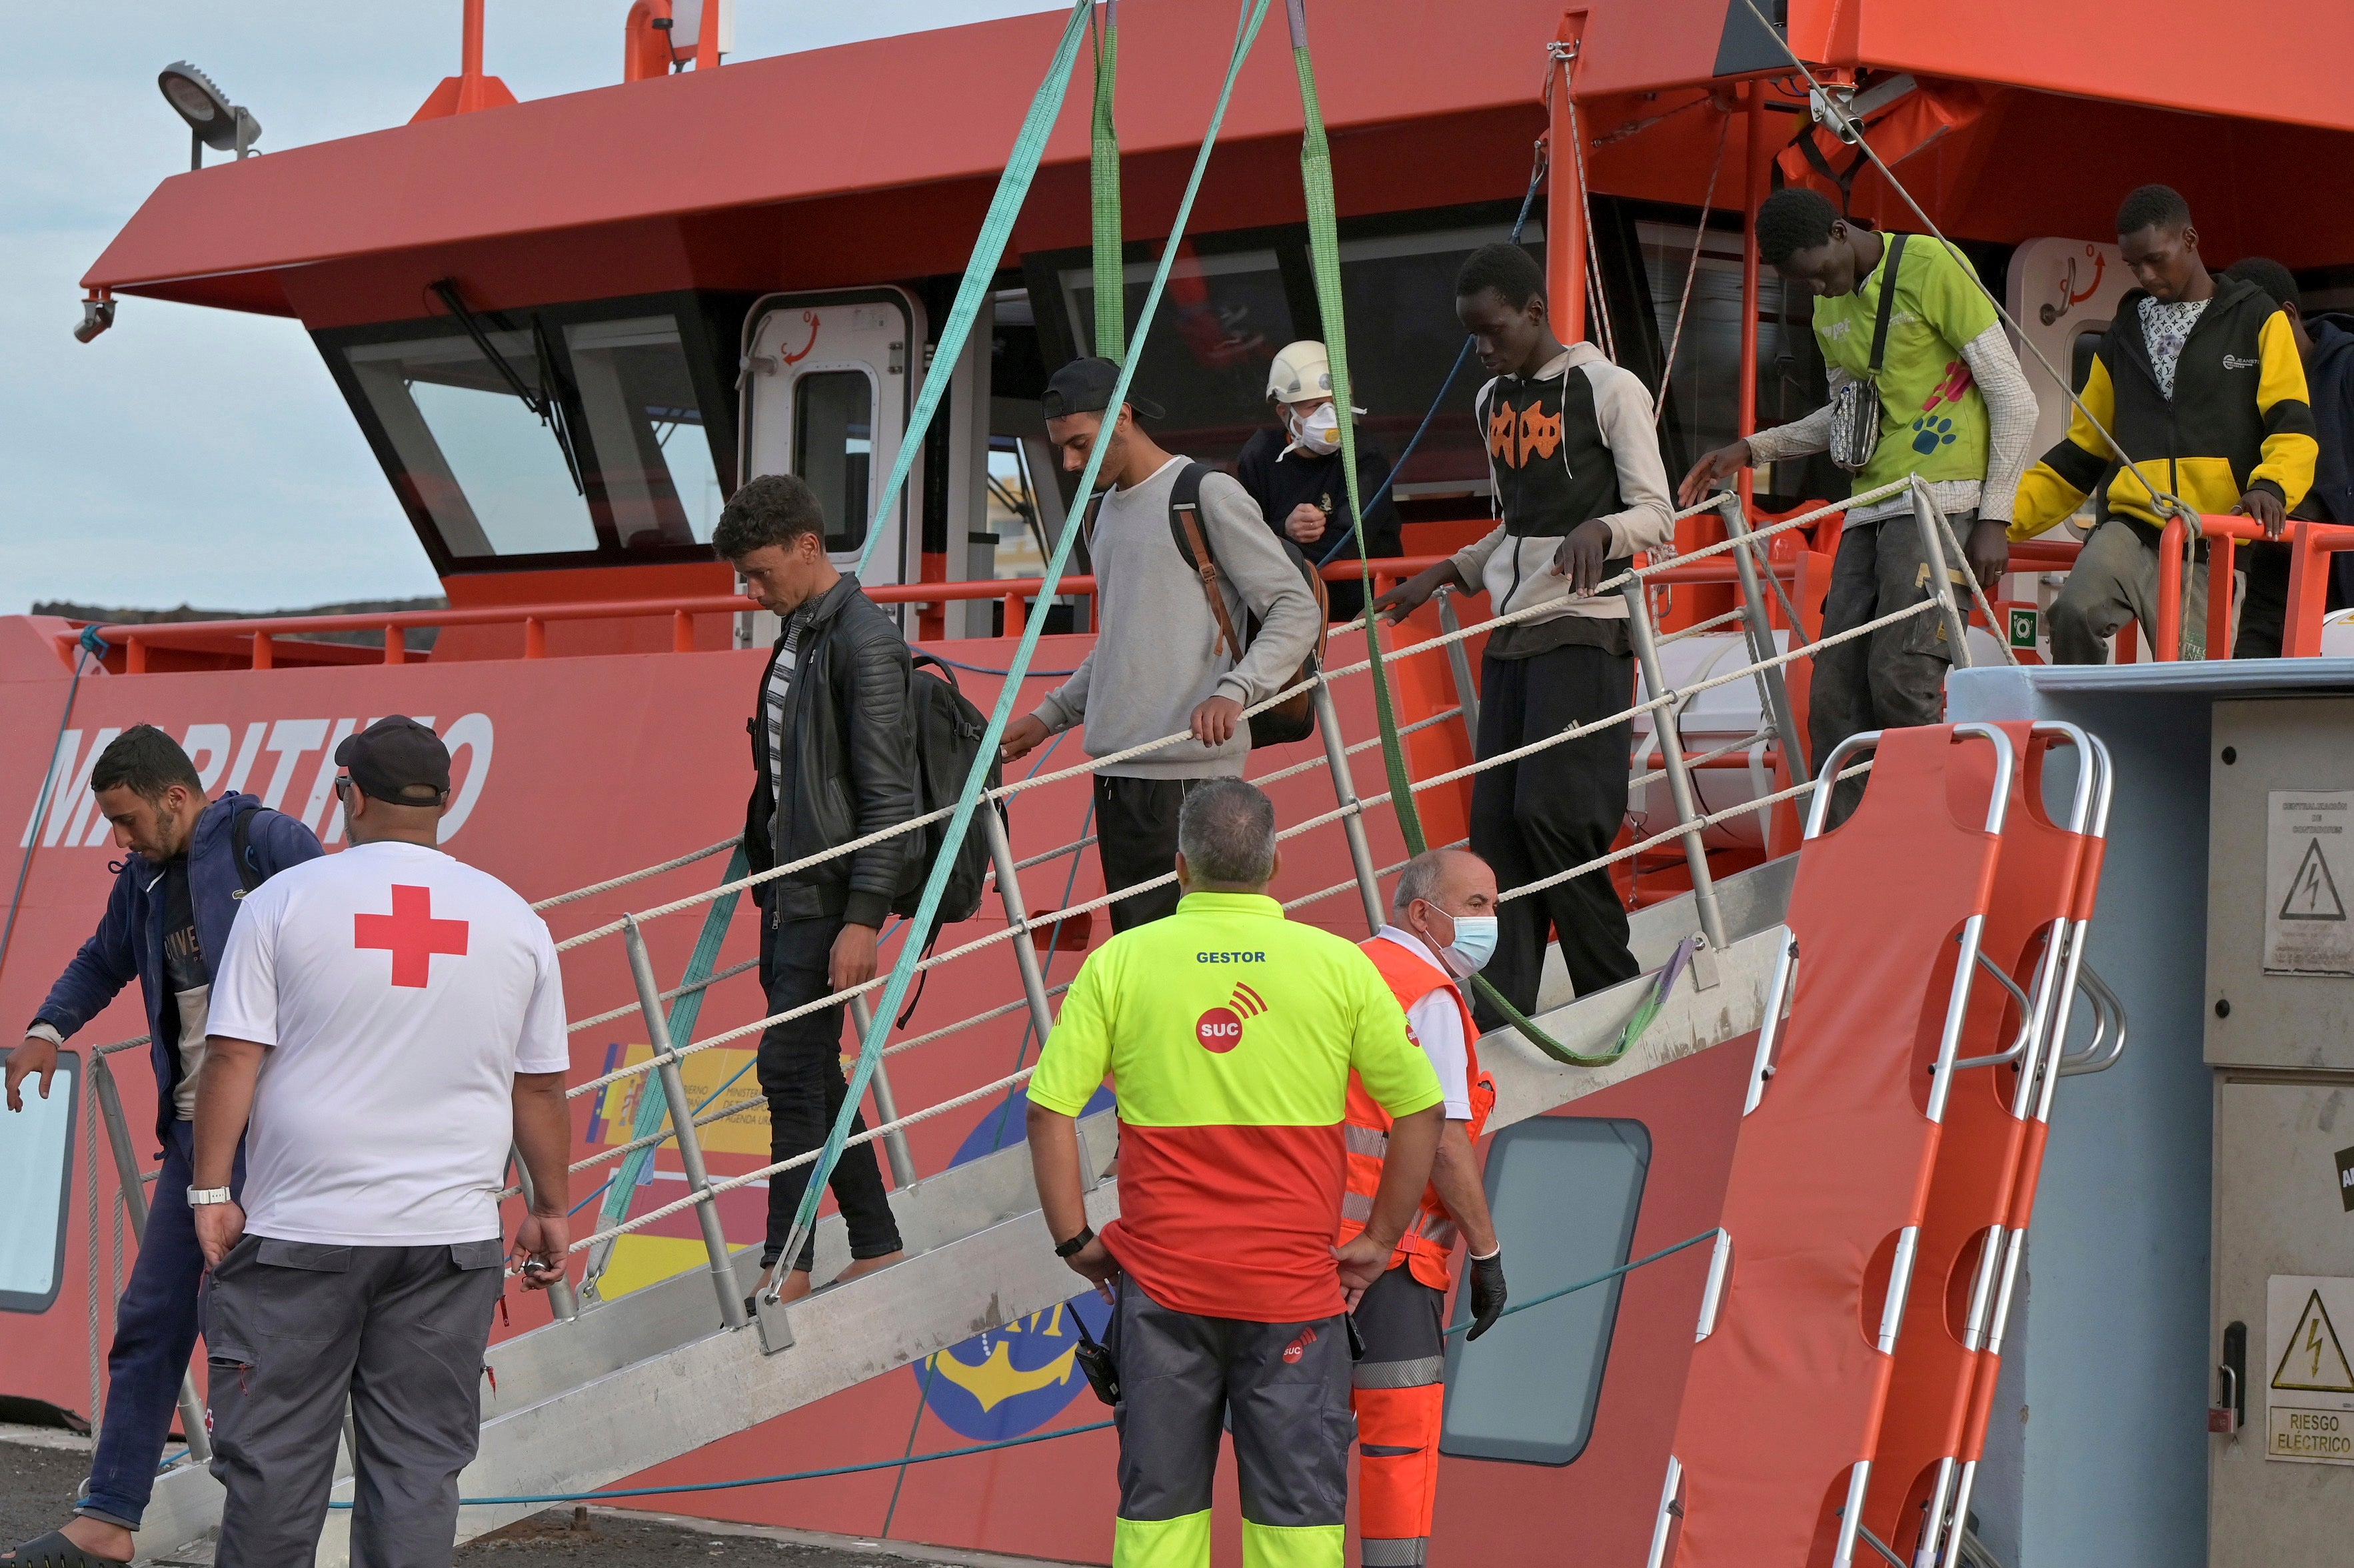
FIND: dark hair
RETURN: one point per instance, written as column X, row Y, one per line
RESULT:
column 1226, row 831
column 1509, row 270
column 2152, row 206
column 774, row 509
column 2268, row 275
column 147, row 761
column 1793, row 218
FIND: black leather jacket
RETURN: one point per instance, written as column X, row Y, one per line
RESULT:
column 850, row 766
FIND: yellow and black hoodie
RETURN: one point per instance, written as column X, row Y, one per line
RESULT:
column 2239, row 418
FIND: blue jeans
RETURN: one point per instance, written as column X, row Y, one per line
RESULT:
column 154, row 1334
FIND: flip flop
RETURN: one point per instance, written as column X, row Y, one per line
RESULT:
column 54, row 1550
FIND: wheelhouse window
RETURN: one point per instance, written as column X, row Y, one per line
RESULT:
column 487, row 471
column 834, row 450
column 1528, row 1390
column 554, row 436
column 1221, row 321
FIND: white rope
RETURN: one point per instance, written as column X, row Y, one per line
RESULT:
column 1673, row 694
column 798, row 1160
column 1698, row 626
column 623, row 881
column 1340, row 887
column 1995, row 629
column 1691, row 272
column 1095, row 765
column 607, row 1017
column 1678, row 832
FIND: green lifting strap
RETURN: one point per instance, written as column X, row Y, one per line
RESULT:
column 987, row 251
column 1324, row 253
column 1103, row 190
column 653, row 1108
column 894, row 991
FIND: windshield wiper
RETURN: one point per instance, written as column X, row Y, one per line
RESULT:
column 545, row 403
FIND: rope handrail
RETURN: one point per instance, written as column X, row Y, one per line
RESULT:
column 722, row 847
column 1094, row 765
column 1665, row 698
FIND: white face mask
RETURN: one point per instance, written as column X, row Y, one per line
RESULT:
column 1319, row 433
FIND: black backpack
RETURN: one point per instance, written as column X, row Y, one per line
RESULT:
column 948, row 730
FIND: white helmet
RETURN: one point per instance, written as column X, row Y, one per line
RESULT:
column 1301, row 372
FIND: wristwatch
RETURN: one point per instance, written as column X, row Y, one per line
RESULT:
column 198, row 1197
column 1077, row 1243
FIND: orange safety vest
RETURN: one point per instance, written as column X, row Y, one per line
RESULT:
column 1430, row 1239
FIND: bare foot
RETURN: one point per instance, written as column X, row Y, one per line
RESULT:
column 865, row 1266
column 796, row 1285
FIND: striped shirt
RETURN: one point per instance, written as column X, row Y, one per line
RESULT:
column 781, row 687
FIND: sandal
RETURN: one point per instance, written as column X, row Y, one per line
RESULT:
column 54, row 1550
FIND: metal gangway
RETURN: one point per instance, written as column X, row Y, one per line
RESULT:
column 609, row 1388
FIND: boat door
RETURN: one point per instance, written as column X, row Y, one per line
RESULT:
column 828, row 382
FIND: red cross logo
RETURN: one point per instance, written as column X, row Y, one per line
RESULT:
column 410, row 934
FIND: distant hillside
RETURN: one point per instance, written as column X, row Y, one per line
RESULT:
column 419, row 638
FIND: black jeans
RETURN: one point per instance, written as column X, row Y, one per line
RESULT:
column 1551, row 811
column 801, row 1074
column 1136, row 840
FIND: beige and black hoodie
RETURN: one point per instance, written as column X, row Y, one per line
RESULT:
column 1572, row 442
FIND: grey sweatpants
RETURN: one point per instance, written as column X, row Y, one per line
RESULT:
column 1896, row 676
column 2114, row 580
column 294, row 1329
column 1285, row 1388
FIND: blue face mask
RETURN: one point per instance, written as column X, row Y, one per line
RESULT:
column 1474, row 944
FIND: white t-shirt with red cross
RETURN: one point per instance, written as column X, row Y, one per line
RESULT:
column 399, row 992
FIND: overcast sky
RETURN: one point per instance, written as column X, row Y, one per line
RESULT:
column 205, row 457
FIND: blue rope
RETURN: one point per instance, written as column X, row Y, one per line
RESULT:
column 773, row 1480
column 1536, row 177
column 1708, row 1234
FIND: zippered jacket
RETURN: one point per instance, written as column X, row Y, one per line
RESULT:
column 129, row 941
column 2240, row 419
column 1572, row 443
column 850, row 765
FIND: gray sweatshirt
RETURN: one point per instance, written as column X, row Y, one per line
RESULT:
column 1154, row 660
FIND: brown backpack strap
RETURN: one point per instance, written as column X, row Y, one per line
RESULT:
column 1185, row 522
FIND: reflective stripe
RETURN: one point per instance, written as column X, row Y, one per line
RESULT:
column 1419, row 1373
column 1366, row 1140
column 1179, row 1542
column 1396, row 1553
column 1281, row 1546
column 1440, row 1233
column 1356, row 1206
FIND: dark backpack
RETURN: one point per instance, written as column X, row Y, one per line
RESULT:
column 249, row 874
column 948, row 730
column 1294, row 719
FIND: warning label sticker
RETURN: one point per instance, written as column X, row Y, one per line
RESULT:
column 2309, row 1396
column 2308, row 876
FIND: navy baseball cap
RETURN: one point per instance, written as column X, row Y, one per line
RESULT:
column 1085, row 387
column 397, row 760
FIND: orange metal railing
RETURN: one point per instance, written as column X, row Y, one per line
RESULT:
column 2310, row 548
column 263, row 632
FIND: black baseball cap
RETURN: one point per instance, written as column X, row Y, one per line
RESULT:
column 1085, row 387
column 397, row 760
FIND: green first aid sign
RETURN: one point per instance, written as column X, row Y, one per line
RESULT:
column 2022, row 627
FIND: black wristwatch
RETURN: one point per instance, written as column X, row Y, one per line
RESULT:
column 1077, row 1243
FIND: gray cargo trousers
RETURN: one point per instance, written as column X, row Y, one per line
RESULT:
column 1896, row 676
column 294, row 1329
column 1284, row 1387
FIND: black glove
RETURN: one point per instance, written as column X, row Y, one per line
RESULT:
column 1487, row 1293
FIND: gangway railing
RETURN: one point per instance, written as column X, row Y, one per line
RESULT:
column 2311, row 545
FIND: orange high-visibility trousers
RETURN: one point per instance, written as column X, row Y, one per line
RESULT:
column 1399, row 1395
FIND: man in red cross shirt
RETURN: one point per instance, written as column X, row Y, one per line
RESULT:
column 390, row 1023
